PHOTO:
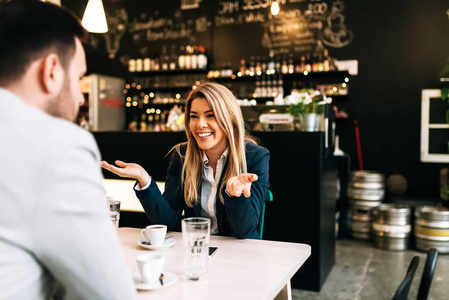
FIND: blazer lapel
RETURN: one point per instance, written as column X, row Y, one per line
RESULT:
column 219, row 206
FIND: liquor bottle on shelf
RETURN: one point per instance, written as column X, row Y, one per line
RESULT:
column 242, row 68
column 315, row 62
column 156, row 66
column 280, row 84
column 147, row 64
column 284, row 67
column 202, row 58
column 150, row 125
column 257, row 90
column 194, row 57
column 182, row 58
column 326, row 61
column 188, row 58
column 308, row 61
column 228, row 70
column 165, row 59
column 258, row 66
column 271, row 64
column 157, row 122
column 143, row 122
column 163, row 122
column 139, row 65
column 132, row 126
column 132, row 65
column 173, row 58
column 291, row 66
column 269, row 88
column 274, row 87
column 277, row 64
column 263, row 87
column 320, row 63
column 252, row 66
column 300, row 67
column 264, row 65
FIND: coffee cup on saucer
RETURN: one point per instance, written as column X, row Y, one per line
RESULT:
column 150, row 267
column 155, row 234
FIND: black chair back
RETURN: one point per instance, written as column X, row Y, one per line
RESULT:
column 404, row 288
column 427, row 274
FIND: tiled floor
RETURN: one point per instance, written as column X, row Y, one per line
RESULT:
column 363, row 272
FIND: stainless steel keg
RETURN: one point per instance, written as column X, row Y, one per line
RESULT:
column 432, row 228
column 366, row 190
column 391, row 226
column 366, row 186
column 359, row 220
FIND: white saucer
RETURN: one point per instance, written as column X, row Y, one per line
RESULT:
column 169, row 279
column 167, row 243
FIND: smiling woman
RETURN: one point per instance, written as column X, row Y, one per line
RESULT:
column 219, row 173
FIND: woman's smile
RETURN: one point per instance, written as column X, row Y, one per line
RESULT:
column 205, row 134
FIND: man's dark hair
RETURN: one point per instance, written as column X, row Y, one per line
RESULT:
column 31, row 29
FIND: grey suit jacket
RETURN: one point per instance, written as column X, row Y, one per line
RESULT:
column 54, row 219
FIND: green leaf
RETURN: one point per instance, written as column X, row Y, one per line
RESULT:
column 445, row 93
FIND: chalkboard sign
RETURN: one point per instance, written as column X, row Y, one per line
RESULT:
column 247, row 28
column 228, row 29
column 139, row 29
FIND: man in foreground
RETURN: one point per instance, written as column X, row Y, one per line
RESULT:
column 55, row 232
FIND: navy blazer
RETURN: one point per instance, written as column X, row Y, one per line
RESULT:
column 238, row 217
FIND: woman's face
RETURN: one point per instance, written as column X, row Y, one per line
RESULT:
column 205, row 128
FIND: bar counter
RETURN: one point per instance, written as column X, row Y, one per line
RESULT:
column 303, row 181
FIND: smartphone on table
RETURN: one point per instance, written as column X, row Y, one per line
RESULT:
column 213, row 250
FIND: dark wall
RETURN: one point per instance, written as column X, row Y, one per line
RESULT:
column 400, row 46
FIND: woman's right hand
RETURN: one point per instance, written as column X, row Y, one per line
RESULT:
column 128, row 170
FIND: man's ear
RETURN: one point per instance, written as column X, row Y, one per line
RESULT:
column 52, row 75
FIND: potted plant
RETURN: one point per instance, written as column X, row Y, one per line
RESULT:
column 307, row 109
column 444, row 77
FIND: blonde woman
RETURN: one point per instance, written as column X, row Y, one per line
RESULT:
column 219, row 173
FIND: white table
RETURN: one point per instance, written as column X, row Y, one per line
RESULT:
column 123, row 190
column 241, row 269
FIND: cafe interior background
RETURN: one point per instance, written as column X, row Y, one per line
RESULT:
column 393, row 49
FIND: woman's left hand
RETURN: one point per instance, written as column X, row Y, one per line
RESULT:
column 241, row 184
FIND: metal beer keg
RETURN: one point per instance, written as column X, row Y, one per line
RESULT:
column 366, row 186
column 359, row 220
column 366, row 190
column 391, row 226
column 432, row 228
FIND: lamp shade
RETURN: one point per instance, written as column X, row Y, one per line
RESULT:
column 94, row 19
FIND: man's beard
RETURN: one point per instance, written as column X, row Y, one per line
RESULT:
column 61, row 106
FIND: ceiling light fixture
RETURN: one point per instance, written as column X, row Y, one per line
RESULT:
column 275, row 8
column 94, row 19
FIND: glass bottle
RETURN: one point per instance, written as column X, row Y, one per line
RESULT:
column 182, row 58
column 164, row 58
column 173, row 58
column 202, row 58
column 284, row 67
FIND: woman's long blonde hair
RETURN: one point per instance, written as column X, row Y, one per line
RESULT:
column 229, row 117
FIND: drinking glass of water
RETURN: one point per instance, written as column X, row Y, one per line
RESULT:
column 195, row 237
column 114, row 211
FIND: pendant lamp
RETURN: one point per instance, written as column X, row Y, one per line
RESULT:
column 94, row 19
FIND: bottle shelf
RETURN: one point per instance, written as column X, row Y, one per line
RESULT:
column 169, row 72
column 329, row 74
column 165, row 88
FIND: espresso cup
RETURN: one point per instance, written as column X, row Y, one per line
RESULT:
column 155, row 234
column 150, row 267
